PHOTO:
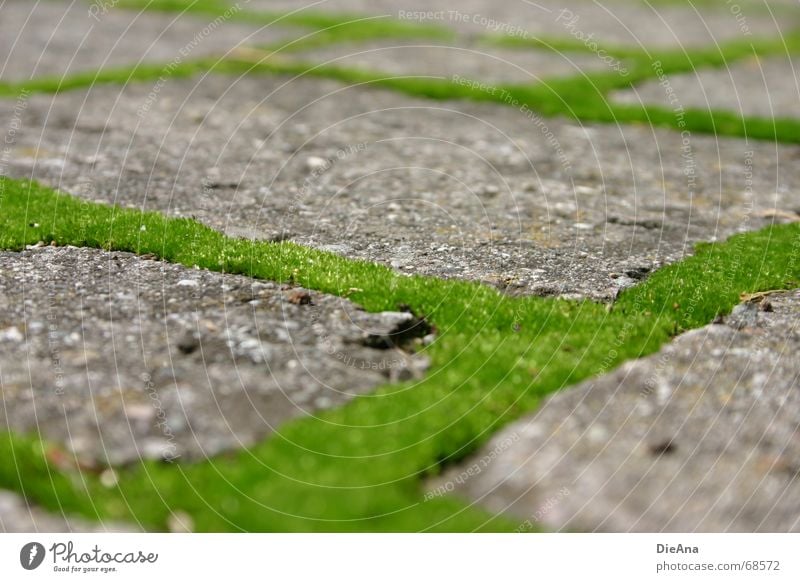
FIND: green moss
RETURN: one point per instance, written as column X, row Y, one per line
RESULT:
column 360, row 467
column 583, row 97
column 335, row 26
column 580, row 98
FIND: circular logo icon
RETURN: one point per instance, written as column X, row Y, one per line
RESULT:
column 31, row 555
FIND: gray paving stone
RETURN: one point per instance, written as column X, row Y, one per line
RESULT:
column 766, row 88
column 614, row 22
column 703, row 436
column 18, row 517
column 489, row 64
column 119, row 358
column 59, row 38
column 453, row 189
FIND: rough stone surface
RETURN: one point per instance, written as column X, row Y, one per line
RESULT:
column 59, row 37
column 18, row 517
column 703, row 436
column 452, row 189
column 115, row 358
column 488, row 64
column 611, row 21
column 119, row 358
column 766, row 88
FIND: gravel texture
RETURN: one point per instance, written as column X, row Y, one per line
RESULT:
column 702, row 436
column 452, row 189
column 766, row 88
column 18, row 517
column 611, row 21
column 489, row 64
column 60, row 38
column 119, row 358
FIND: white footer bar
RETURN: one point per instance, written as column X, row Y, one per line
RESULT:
column 402, row 558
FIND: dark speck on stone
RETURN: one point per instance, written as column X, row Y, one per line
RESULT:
column 637, row 273
column 300, row 297
column 663, row 448
column 188, row 343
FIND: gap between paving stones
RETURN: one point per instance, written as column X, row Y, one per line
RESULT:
column 375, row 479
column 556, row 97
column 737, row 239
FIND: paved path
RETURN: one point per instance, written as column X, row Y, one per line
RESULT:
column 452, row 189
column 702, row 436
column 533, row 205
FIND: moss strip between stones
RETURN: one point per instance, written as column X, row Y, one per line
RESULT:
column 361, row 467
column 583, row 97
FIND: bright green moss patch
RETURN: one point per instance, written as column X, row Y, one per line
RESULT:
column 116, row 76
column 335, row 26
column 361, row 467
column 582, row 98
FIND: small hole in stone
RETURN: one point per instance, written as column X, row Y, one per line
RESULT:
column 663, row 448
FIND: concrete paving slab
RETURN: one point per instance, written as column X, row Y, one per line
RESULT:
column 488, row 64
column 452, row 189
column 118, row 358
column 56, row 38
column 763, row 88
column 700, row 437
column 627, row 22
column 16, row 516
